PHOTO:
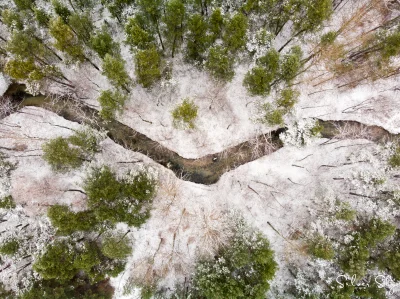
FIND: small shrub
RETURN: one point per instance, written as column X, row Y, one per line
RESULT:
column 7, row 202
column 391, row 45
column 258, row 81
column 378, row 181
column 235, row 33
column 290, row 64
column 60, row 155
column 111, row 102
column 102, row 43
column 394, row 160
column 316, row 130
column 377, row 230
column 65, row 153
column 391, row 261
column 68, row 222
column 287, row 98
column 147, row 67
column 328, row 38
column 136, row 35
column 271, row 116
column 216, row 23
column 147, row 292
column 396, row 197
column 41, row 17
column 5, row 166
column 185, row 114
column 321, row 248
column 241, row 270
column 345, row 212
column 85, row 139
column 5, row 293
column 10, row 247
column 125, row 200
column 61, row 10
column 114, row 70
column 299, row 133
column 116, row 246
column 355, row 257
column 220, row 64
column 342, row 290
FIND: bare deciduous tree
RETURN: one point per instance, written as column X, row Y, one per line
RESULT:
column 261, row 145
column 6, row 106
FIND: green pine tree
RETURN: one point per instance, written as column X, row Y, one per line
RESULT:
column 147, row 67
column 114, row 70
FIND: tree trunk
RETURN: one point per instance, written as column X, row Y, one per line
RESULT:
column 118, row 19
column 59, row 82
column 70, row 3
column 290, row 39
column 159, row 36
column 47, row 47
column 53, row 52
column 305, row 60
column 372, row 49
column 126, row 89
column 95, row 66
column 124, row 236
column 279, row 29
column 173, row 46
column 40, row 60
column 285, row 44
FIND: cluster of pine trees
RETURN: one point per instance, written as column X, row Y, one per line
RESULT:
column 211, row 34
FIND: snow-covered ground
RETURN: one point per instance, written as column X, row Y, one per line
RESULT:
column 227, row 112
column 4, row 83
column 279, row 194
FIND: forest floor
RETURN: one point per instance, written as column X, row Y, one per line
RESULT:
column 286, row 194
column 280, row 194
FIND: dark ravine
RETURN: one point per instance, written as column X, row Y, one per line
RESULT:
column 205, row 170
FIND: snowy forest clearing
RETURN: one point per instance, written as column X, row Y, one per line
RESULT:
column 264, row 191
column 204, row 170
column 200, row 149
